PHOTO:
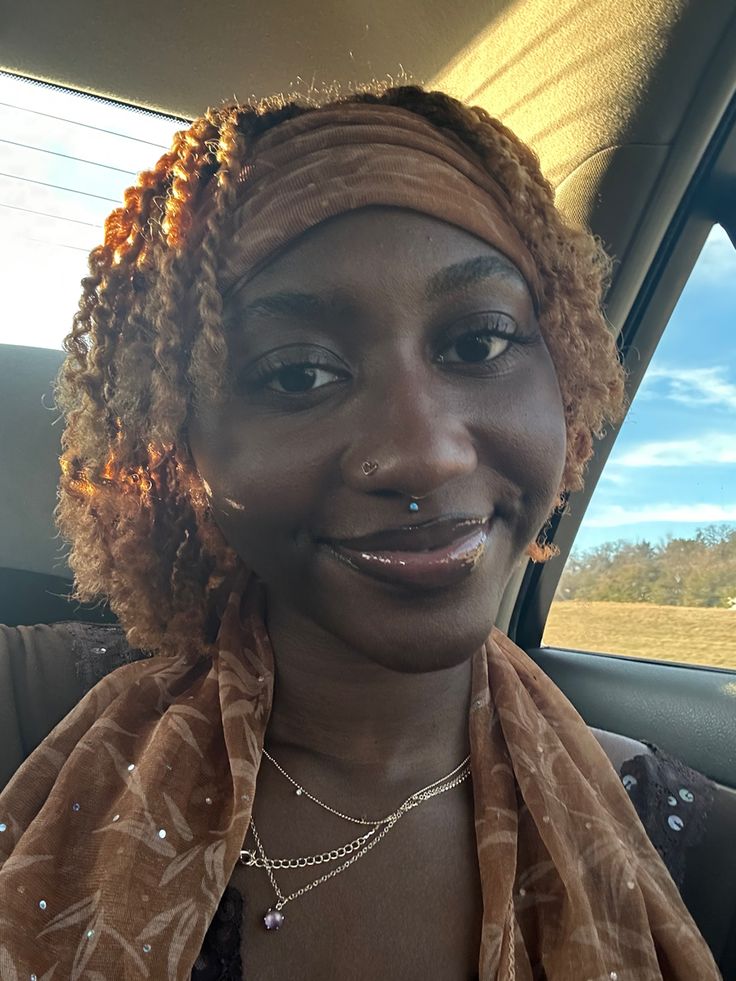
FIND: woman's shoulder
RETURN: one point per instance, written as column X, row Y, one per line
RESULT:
column 672, row 800
column 38, row 686
column 690, row 820
column 99, row 649
column 45, row 670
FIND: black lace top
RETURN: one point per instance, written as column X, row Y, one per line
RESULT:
column 219, row 959
column 672, row 802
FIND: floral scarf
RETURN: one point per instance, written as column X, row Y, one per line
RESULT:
column 118, row 835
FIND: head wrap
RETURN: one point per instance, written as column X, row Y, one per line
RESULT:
column 327, row 162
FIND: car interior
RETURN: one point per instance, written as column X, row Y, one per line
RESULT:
column 631, row 108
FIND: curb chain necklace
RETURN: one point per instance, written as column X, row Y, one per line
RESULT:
column 273, row 918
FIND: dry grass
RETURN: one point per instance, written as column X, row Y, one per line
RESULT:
column 665, row 633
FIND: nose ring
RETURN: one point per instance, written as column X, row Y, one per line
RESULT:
column 369, row 467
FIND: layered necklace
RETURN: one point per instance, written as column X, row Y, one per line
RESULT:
column 377, row 829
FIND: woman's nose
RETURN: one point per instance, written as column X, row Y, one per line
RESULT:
column 408, row 443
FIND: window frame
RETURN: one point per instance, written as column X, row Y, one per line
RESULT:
column 710, row 198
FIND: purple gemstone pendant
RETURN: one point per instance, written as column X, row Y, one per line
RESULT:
column 273, row 919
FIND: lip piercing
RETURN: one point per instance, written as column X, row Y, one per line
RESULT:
column 369, row 467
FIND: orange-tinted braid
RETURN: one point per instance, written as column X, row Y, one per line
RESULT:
column 149, row 335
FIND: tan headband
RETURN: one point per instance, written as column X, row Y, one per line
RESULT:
column 331, row 161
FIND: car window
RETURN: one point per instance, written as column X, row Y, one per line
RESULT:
column 66, row 160
column 653, row 570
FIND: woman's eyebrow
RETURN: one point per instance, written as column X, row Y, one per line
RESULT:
column 291, row 304
column 462, row 274
column 310, row 305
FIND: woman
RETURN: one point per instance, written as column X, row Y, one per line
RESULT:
column 333, row 370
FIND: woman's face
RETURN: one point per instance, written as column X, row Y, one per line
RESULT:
column 385, row 337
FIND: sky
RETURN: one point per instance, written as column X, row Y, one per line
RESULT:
column 673, row 466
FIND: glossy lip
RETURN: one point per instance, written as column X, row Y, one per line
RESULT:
column 420, row 536
column 428, row 568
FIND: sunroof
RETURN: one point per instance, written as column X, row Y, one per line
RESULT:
column 65, row 161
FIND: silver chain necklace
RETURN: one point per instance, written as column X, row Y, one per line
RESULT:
column 274, row 917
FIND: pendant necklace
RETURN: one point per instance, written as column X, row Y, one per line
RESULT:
column 274, row 917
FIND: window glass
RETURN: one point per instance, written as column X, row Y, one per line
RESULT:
column 653, row 571
column 65, row 161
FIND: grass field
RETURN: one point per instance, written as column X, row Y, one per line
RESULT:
column 694, row 635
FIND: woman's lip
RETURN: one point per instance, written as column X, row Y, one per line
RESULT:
column 422, row 536
column 431, row 569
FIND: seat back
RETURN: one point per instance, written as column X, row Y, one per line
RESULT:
column 34, row 575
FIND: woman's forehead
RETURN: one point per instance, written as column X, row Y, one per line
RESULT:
column 379, row 243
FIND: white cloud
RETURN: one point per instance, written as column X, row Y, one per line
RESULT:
column 610, row 476
column 717, row 261
column 708, row 449
column 694, row 386
column 613, row 515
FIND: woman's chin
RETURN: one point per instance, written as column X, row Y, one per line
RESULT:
column 424, row 621
column 402, row 627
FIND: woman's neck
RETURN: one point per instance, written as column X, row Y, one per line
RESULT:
column 347, row 720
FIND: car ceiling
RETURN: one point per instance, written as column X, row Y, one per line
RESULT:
column 609, row 94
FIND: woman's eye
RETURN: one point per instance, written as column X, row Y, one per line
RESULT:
column 295, row 379
column 291, row 371
column 475, row 348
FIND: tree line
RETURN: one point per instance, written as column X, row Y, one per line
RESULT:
column 698, row 571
